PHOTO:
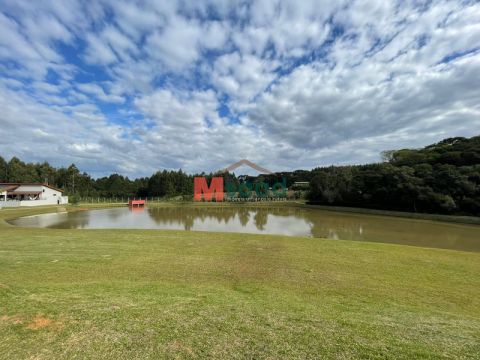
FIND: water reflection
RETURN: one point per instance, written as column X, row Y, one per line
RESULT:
column 271, row 220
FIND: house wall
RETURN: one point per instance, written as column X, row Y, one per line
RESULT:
column 47, row 197
column 51, row 201
column 46, row 194
column 30, row 203
column 50, row 193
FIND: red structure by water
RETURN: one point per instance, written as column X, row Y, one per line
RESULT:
column 134, row 203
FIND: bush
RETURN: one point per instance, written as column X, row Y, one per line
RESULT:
column 73, row 200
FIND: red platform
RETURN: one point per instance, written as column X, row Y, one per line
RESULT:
column 136, row 203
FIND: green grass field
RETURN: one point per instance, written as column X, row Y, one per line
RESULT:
column 149, row 294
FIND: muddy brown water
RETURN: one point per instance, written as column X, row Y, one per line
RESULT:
column 292, row 221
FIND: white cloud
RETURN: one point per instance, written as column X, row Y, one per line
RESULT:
column 177, row 44
column 242, row 77
column 13, row 43
column 215, row 34
column 199, row 85
column 136, row 20
column 180, row 112
column 99, row 52
column 46, row 27
column 119, row 42
column 59, row 134
column 99, row 92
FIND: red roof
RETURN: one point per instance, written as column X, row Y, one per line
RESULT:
column 7, row 187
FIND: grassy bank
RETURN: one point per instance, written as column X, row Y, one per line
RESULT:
column 122, row 294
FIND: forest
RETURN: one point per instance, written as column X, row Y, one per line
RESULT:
column 440, row 178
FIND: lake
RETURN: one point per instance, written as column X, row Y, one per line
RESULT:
column 279, row 220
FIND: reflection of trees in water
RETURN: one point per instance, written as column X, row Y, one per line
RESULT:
column 322, row 224
column 350, row 226
column 261, row 218
column 243, row 216
column 334, row 226
column 187, row 216
column 73, row 220
column 83, row 219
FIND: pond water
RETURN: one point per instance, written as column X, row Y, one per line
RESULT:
column 281, row 220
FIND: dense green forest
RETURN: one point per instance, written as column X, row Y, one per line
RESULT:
column 440, row 178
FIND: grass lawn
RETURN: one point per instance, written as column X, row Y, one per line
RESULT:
column 122, row 294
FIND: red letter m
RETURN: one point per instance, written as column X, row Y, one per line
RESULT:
column 200, row 186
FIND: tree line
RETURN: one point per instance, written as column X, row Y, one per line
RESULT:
column 74, row 182
column 440, row 178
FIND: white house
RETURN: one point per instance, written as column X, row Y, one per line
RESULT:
column 30, row 194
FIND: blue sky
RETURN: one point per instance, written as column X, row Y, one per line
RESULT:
column 136, row 86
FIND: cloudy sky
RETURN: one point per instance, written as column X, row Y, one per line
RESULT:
column 132, row 87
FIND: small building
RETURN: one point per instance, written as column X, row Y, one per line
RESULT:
column 30, row 194
column 297, row 185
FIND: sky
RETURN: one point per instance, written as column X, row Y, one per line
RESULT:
column 136, row 86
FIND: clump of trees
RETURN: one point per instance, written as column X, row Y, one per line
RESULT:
column 440, row 178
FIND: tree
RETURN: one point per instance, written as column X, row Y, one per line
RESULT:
column 46, row 173
column 160, row 184
column 18, row 171
column 331, row 185
column 3, row 170
column 387, row 155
